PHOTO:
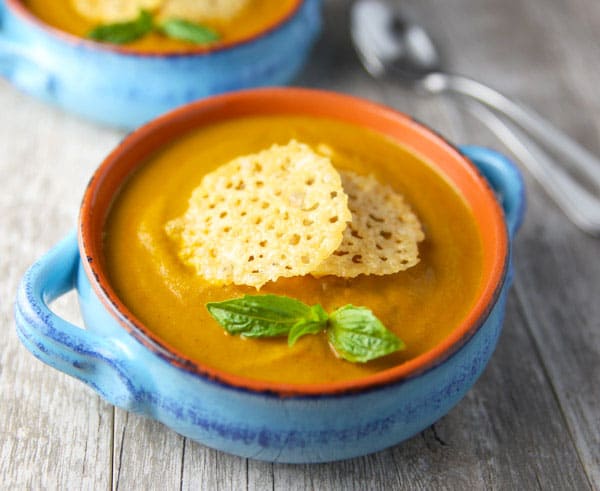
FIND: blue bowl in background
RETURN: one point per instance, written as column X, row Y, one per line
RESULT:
column 124, row 88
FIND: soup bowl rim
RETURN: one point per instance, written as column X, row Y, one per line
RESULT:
column 90, row 240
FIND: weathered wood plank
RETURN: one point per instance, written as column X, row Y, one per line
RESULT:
column 146, row 454
column 209, row 469
column 54, row 432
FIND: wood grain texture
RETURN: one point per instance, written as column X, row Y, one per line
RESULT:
column 532, row 420
column 53, row 430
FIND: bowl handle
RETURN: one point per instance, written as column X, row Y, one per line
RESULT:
column 96, row 360
column 506, row 180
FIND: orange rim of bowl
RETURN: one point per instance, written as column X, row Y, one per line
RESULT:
column 18, row 7
column 464, row 176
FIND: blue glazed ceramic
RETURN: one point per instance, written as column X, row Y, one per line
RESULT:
column 137, row 373
column 126, row 89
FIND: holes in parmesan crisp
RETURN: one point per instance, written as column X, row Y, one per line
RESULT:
column 283, row 201
column 376, row 240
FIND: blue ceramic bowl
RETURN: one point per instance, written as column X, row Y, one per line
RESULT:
column 133, row 369
column 125, row 89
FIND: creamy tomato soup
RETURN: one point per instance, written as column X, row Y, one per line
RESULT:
column 422, row 305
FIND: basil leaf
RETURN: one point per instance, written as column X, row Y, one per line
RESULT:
column 354, row 332
column 123, row 32
column 259, row 315
column 314, row 325
column 358, row 336
column 189, row 31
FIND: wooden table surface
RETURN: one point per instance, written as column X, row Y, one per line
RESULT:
column 531, row 421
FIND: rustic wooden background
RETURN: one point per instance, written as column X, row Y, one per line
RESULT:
column 533, row 419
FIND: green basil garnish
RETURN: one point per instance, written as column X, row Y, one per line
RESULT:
column 127, row 32
column 124, row 32
column 259, row 315
column 354, row 332
column 357, row 335
column 188, row 31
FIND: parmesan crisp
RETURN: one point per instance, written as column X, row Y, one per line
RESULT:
column 203, row 10
column 276, row 213
column 107, row 11
column 383, row 236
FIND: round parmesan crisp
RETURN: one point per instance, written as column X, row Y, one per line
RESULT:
column 203, row 10
column 383, row 235
column 273, row 214
column 113, row 10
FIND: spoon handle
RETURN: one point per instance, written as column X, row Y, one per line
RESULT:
column 579, row 204
column 582, row 208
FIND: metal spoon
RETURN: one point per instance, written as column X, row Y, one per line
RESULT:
column 388, row 45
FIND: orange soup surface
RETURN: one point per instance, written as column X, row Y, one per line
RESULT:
column 257, row 16
column 422, row 305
